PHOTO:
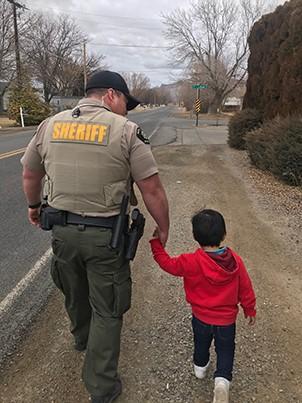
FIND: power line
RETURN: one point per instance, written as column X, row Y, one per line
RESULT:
column 65, row 57
column 129, row 46
column 100, row 15
column 150, row 71
column 111, row 23
column 123, row 24
column 155, row 70
column 114, row 20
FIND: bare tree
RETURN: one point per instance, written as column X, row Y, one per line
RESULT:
column 211, row 37
column 70, row 77
column 139, row 85
column 54, row 55
column 161, row 95
column 185, row 95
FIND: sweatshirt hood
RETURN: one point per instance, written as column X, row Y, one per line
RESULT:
column 219, row 268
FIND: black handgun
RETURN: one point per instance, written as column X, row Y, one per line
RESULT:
column 119, row 226
column 135, row 233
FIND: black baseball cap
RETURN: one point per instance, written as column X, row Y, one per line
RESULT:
column 110, row 79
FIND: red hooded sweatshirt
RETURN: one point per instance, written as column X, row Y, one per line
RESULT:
column 214, row 283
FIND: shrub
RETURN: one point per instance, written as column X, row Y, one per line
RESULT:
column 35, row 110
column 242, row 123
column 277, row 147
column 287, row 161
column 259, row 144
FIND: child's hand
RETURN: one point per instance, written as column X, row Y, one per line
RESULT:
column 162, row 236
column 252, row 320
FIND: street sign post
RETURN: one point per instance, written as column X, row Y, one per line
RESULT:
column 197, row 105
column 198, row 87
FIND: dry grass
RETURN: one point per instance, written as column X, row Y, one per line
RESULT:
column 5, row 122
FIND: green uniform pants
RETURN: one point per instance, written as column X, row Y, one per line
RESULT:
column 96, row 283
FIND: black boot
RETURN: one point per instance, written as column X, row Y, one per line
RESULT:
column 110, row 397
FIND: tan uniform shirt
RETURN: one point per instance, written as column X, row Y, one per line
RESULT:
column 136, row 152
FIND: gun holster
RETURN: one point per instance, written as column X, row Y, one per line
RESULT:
column 135, row 233
column 50, row 216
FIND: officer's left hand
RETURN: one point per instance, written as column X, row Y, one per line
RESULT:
column 34, row 216
column 161, row 235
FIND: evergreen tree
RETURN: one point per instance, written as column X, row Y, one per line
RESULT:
column 24, row 95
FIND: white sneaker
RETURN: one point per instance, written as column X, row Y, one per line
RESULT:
column 200, row 372
column 221, row 390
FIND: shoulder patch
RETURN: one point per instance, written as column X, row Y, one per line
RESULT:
column 141, row 136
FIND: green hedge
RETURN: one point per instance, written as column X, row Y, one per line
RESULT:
column 277, row 147
column 34, row 109
column 242, row 123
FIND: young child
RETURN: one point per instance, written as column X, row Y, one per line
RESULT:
column 215, row 282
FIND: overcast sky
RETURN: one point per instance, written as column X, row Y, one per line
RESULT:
column 127, row 22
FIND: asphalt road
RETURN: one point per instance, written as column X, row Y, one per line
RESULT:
column 24, row 252
column 21, row 248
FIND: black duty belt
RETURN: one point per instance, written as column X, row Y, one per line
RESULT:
column 76, row 219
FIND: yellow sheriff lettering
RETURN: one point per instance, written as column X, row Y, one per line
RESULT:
column 72, row 131
column 102, row 133
column 64, row 131
column 56, row 130
column 80, row 134
column 94, row 132
column 87, row 132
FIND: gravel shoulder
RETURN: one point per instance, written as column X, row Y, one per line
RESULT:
column 263, row 219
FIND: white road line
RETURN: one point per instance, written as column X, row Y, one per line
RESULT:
column 25, row 282
column 154, row 131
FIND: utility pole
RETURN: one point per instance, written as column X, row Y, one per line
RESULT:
column 17, row 48
column 85, row 65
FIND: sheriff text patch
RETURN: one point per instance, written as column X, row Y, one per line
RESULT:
column 81, row 132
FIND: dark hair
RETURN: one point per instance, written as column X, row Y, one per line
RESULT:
column 208, row 227
column 96, row 91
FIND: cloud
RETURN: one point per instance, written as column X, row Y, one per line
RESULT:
column 129, row 22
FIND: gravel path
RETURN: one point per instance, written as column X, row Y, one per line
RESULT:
column 263, row 219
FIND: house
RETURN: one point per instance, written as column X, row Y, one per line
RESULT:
column 60, row 103
column 234, row 101
column 232, row 104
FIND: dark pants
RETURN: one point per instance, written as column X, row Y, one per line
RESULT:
column 96, row 283
column 224, row 339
